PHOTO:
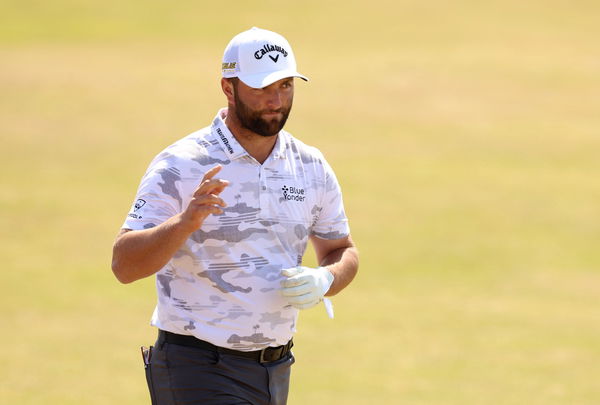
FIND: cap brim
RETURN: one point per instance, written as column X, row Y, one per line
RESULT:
column 260, row 80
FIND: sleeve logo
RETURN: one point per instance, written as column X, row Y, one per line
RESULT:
column 136, row 206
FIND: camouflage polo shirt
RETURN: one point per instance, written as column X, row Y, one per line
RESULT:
column 223, row 285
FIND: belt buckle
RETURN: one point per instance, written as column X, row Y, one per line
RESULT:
column 281, row 351
column 261, row 359
column 273, row 357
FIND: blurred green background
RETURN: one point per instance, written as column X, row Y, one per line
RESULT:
column 466, row 137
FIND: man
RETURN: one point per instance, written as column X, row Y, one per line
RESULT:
column 223, row 217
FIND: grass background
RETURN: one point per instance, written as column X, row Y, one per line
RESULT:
column 466, row 138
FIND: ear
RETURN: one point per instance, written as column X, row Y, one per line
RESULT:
column 228, row 90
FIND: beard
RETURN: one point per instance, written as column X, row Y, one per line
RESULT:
column 253, row 120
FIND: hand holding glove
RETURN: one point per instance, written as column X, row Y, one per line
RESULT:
column 305, row 287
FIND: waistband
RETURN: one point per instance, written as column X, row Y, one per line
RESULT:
column 266, row 355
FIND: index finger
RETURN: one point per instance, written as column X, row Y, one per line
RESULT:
column 291, row 271
column 294, row 281
column 212, row 186
column 211, row 173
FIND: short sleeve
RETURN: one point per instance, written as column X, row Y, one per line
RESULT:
column 158, row 197
column 331, row 222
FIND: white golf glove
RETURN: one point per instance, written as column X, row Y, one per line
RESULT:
column 305, row 287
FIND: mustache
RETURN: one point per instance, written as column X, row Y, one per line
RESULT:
column 278, row 110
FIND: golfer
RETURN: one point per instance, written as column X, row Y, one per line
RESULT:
column 222, row 218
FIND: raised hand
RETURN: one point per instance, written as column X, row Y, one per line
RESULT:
column 205, row 200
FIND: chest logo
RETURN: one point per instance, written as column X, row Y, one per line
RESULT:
column 293, row 194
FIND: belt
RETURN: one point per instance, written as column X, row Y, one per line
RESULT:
column 266, row 355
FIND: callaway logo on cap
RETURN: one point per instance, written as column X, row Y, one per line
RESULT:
column 259, row 57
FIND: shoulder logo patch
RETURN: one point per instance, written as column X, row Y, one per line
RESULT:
column 136, row 206
column 139, row 204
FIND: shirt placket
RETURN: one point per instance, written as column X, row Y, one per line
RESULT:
column 263, row 191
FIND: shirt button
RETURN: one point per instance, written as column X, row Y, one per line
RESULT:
column 264, row 187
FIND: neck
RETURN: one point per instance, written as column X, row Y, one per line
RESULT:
column 257, row 146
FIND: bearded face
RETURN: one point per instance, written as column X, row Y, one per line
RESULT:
column 264, row 121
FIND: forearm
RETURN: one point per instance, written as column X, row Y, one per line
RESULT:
column 343, row 264
column 139, row 254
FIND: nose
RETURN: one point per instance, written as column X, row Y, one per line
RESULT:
column 273, row 98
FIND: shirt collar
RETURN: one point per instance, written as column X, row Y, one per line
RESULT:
column 232, row 147
column 280, row 146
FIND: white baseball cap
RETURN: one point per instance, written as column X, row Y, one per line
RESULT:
column 259, row 57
